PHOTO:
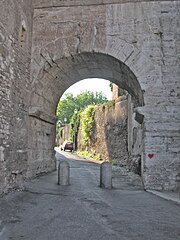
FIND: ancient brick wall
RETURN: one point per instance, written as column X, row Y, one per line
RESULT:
column 116, row 135
column 15, row 56
column 109, row 136
column 78, row 39
column 115, row 92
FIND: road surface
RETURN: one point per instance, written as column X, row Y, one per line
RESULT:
column 84, row 211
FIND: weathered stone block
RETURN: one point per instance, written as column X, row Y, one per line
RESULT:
column 106, row 175
column 64, row 173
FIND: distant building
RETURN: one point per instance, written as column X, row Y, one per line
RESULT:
column 117, row 92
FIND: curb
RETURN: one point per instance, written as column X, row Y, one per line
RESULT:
column 175, row 199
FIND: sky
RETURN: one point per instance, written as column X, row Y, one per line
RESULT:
column 92, row 84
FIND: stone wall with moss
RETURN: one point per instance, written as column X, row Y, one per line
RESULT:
column 109, row 132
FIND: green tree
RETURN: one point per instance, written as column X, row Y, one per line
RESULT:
column 87, row 118
column 67, row 106
column 87, row 98
column 111, row 86
column 65, row 109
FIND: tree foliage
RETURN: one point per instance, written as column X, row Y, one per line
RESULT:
column 87, row 120
column 70, row 103
column 74, row 125
column 65, row 109
column 111, row 86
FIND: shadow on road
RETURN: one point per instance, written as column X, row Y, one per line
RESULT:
column 122, row 178
column 82, row 210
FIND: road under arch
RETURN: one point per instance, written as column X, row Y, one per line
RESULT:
column 49, row 45
column 60, row 76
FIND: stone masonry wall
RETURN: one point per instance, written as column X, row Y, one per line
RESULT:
column 109, row 134
column 15, row 56
column 68, row 3
column 115, row 92
column 142, row 35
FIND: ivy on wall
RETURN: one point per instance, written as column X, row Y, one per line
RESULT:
column 86, row 117
column 74, row 125
column 87, row 120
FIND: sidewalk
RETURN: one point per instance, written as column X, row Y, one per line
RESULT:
column 124, row 179
column 170, row 196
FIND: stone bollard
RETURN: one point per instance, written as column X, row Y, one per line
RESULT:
column 63, row 173
column 106, row 175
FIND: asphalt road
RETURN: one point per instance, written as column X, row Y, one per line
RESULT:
column 84, row 211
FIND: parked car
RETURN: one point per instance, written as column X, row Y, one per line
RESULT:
column 67, row 145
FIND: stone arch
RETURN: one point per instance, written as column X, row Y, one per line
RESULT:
column 133, row 62
column 57, row 51
column 58, row 75
column 61, row 74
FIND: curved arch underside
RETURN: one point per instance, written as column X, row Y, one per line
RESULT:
column 63, row 73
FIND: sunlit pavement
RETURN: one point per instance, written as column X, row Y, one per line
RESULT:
column 84, row 211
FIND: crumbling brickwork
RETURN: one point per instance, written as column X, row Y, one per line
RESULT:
column 109, row 136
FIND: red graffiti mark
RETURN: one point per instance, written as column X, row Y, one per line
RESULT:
column 151, row 155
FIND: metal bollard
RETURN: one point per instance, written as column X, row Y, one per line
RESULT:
column 106, row 175
column 63, row 173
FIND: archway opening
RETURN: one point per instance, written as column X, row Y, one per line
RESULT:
column 97, row 127
column 55, row 79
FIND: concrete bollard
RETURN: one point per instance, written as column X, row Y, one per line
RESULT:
column 106, row 175
column 63, row 173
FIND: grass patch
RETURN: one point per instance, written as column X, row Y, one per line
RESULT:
column 89, row 154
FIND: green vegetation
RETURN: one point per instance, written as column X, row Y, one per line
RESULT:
column 109, row 104
column 87, row 120
column 65, row 109
column 74, row 124
column 111, row 86
column 121, row 91
column 69, row 103
column 88, row 154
